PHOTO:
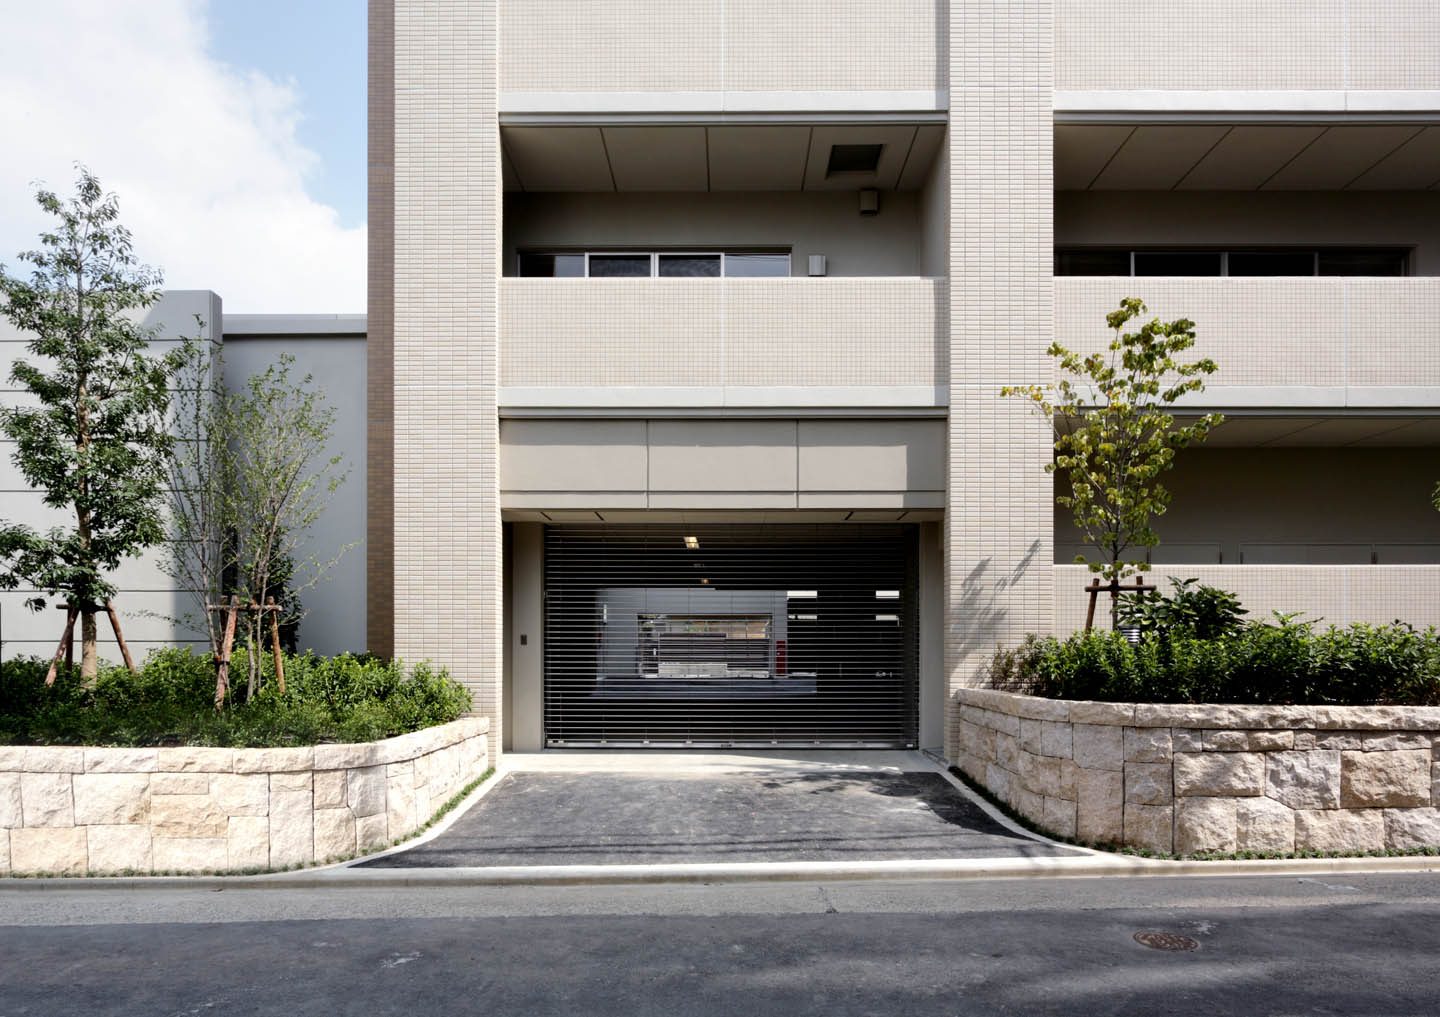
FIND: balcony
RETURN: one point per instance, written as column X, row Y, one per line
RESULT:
column 1338, row 594
column 1321, row 343
column 861, row 342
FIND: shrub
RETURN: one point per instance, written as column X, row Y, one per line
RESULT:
column 1278, row 662
column 1204, row 612
column 344, row 698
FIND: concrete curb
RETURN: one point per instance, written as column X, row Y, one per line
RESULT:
column 746, row 872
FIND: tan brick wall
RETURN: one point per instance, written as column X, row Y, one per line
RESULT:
column 1336, row 594
column 1241, row 44
column 719, row 45
column 678, row 332
column 447, row 558
column 380, row 338
column 998, row 527
column 1321, row 332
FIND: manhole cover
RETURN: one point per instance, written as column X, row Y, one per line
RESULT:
column 1166, row 941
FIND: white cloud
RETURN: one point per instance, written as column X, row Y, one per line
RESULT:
column 203, row 157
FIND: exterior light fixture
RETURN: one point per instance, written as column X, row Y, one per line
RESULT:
column 869, row 202
column 693, row 543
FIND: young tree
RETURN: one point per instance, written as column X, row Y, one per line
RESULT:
column 93, row 441
column 248, row 484
column 1115, row 436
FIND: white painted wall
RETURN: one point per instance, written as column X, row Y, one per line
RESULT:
column 808, row 223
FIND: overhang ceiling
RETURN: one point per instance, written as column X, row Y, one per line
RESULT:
column 739, row 157
column 1247, row 157
column 1263, row 431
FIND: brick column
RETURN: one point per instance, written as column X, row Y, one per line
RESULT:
column 998, row 531
column 447, row 547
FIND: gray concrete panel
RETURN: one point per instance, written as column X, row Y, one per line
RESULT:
column 722, row 455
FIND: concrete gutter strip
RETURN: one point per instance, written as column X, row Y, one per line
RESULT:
column 749, row 872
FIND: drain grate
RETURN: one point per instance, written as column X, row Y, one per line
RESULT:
column 1166, row 941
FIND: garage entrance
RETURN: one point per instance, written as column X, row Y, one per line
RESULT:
column 714, row 636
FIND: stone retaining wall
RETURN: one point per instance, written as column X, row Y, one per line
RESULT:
column 1190, row 779
column 77, row 810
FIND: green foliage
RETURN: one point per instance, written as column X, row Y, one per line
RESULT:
column 94, row 440
column 1278, row 662
column 170, row 702
column 1203, row 612
column 1114, row 436
column 249, row 481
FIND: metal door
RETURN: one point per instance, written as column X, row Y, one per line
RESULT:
column 731, row 635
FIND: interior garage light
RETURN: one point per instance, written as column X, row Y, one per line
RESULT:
column 802, row 594
column 887, row 594
column 693, row 543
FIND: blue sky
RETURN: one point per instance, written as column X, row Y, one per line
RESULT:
column 319, row 45
column 231, row 131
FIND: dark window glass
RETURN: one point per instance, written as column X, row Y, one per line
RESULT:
column 1272, row 263
column 756, row 266
column 553, row 266
column 1092, row 262
column 614, row 266
column 1389, row 263
column 690, row 266
column 1177, row 262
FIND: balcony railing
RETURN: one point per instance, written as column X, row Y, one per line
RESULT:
column 1338, row 594
column 1329, row 341
column 739, row 341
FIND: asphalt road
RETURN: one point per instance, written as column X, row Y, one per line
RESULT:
column 1342, row 944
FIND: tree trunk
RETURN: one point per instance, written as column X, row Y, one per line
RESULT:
column 89, row 661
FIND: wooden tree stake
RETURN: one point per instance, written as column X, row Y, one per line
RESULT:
column 275, row 643
column 222, row 675
column 1116, row 587
column 67, row 645
column 119, row 637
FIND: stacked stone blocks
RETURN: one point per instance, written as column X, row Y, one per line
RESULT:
column 1193, row 779
column 76, row 810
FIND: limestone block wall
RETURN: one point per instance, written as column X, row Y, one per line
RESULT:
column 1189, row 779
column 75, row 810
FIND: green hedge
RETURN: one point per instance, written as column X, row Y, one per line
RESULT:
column 171, row 702
column 1282, row 662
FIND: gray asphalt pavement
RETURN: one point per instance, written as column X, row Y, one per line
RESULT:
column 1357, row 944
column 607, row 818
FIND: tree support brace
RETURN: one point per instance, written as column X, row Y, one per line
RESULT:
column 1116, row 587
column 67, row 639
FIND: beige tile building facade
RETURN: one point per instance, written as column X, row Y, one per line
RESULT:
column 688, row 321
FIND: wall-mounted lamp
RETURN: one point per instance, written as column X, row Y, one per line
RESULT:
column 869, row 201
column 817, row 264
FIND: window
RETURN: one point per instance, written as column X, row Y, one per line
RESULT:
column 1177, row 263
column 1239, row 262
column 742, row 264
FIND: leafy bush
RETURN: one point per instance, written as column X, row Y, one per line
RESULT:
column 1204, row 612
column 170, row 702
column 1283, row 661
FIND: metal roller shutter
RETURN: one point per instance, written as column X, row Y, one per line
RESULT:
column 731, row 635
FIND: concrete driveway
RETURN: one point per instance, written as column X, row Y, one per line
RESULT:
column 598, row 808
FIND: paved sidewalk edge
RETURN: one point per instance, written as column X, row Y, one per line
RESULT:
column 749, row 872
